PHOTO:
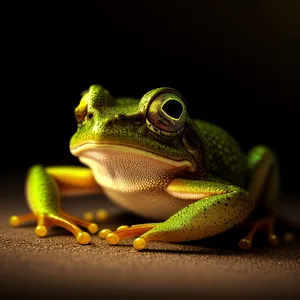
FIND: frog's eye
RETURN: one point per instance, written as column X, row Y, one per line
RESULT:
column 167, row 114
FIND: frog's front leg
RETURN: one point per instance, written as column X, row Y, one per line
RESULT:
column 217, row 208
column 263, row 185
column 44, row 186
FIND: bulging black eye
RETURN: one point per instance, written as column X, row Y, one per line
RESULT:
column 167, row 114
column 173, row 108
column 90, row 115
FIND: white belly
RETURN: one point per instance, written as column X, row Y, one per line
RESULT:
column 136, row 181
column 156, row 205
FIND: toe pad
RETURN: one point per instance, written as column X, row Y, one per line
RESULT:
column 83, row 238
column 139, row 244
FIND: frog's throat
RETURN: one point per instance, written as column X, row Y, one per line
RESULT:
column 84, row 149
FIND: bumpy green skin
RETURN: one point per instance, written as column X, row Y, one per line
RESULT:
column 121, row 121
column 225, row 158
column 219, row 164
column 221, row 183
column 213, row 149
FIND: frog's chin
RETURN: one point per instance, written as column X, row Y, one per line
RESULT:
column 105, row 151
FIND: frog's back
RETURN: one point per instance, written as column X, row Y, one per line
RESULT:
column 226, row 161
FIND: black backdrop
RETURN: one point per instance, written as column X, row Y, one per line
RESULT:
column 238, row 66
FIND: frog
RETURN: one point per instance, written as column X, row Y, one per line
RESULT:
column 188, row 177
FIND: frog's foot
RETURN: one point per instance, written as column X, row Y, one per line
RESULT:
column 70, row 223
column 125, row 231
column 263, row 224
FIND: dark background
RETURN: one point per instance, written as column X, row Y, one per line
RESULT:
column 237, row 65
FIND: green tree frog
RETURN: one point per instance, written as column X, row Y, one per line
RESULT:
column 189, row 177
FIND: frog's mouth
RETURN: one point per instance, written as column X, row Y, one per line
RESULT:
column 100, row 152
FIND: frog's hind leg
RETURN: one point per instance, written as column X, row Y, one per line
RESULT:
column 263, row 186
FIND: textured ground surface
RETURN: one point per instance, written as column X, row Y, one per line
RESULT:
column 57, row 267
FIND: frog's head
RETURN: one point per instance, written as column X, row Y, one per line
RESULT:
column 157, row 127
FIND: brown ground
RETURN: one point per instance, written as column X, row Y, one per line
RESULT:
column 56, row 266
